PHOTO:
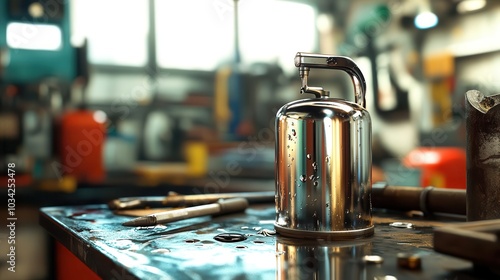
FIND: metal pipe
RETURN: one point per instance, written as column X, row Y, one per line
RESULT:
column 428, row 200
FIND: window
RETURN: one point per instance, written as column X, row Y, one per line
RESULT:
column 199, row 34
column 116, row 30
column 193, row 34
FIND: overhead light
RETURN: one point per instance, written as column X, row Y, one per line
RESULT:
column 468, row 6
column 426, row 20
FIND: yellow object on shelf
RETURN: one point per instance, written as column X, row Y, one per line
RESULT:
column 194, row 166
column 67, row 184
column 196, row 154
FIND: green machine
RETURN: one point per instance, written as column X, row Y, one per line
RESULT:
column 35, row 41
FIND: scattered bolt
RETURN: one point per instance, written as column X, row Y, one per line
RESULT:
column 373, row 259
column 409, row 261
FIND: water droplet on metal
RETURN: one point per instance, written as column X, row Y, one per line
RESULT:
column 230, row 237
column 191, row 240
column 293, row 132
column 311, row 177
column 315, row 183
column 308, row 156
column 160, row 251
column 327, row 159
column 303, row 178
column 327, row 205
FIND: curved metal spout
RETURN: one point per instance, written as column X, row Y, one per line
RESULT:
column 481, row 102
column 305, row 61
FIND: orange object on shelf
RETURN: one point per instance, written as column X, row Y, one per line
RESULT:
column 442, row 167
column 81, row 146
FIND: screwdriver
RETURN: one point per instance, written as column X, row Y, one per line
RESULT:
column 223, row 206
column 175, row 200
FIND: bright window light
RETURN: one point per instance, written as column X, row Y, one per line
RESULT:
column 199, row 34
column 193, row 34
column 34, row 36
column 116, row 30
column 426, row 20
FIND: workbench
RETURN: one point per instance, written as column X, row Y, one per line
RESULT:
column 247, row 247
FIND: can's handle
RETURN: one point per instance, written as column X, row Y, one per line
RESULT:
column 305, row 61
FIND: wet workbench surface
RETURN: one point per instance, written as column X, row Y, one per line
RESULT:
column 189, row 250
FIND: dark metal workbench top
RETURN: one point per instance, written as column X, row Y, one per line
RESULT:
column 187, row 249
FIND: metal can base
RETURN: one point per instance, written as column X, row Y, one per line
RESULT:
column 327, row 235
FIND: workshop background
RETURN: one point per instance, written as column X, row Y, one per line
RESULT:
column 117, row 98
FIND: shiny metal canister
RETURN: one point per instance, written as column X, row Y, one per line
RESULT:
column 323, row 159
column 483, row 155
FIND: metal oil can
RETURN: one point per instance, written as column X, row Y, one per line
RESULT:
column 323, row 159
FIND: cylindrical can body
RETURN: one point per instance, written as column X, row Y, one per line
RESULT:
column 483, row 157
column 323, row 169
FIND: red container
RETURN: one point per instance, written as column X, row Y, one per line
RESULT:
column 81, row 143
column 442, row 167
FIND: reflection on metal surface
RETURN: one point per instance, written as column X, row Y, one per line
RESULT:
column 483, row 155
column 321, row 260
column 323, row 159
column 187, row 249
